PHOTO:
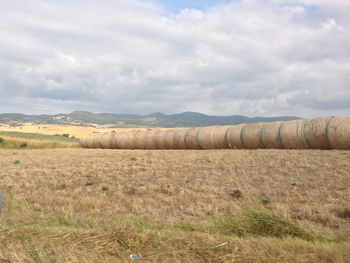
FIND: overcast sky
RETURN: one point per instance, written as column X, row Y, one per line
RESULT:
column 249, row 57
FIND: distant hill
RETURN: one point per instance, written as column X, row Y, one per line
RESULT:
column 185, row 119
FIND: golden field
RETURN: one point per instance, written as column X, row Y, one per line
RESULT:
column 53, row 129
column 83, row 205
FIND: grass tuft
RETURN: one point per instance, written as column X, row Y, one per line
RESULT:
column 264, row 223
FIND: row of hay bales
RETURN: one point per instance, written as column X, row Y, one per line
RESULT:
column 319, row 133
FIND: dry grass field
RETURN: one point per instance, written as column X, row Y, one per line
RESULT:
column 82, row 205
column 53, row 129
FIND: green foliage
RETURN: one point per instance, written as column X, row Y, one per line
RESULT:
column 105, row 188
column 133, row 159
column 23, row 145
column 1, row 140
column 17, row 162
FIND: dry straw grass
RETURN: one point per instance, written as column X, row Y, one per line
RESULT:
column 84, row 205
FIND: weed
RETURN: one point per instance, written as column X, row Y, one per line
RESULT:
column 236, row 194
column 1, row 140
column 105, row 188
column 133, row 159
column 23, row 145
column 89, row 183
column 344, row 213
column 17, row 162
column 265, row 201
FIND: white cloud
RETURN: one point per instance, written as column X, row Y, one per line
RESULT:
column 248, row 57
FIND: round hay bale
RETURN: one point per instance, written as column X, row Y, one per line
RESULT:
column 127, row 140
column 150, row 138
column 206, row 137
column 169, row 139
column 251, row 136
column 270, row 135
column 233, row 136
column 139, row 139
column 191, row 138
column 316, row 133
column 82, row 142
column 179, row 138
column 105, row 140
column 219, row 137
column 97, row 140
column 118, row 140
column 114, row 138
column 90, row 141
column 122, row 140
column 339, row 133
column 160, row 138
column 292, row 135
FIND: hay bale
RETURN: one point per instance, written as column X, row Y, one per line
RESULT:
column 139, row 139
column 160, row 139
column 206, row 137
column 316, row 133
column 179, row 138
column 89, row 141
column 150, row 139
column 233, row 137
column 97, row 140
column 105, row 140
column 339, row 133
column 270, row 135
column 219, row 137
column 292, row 135
column 122, row 140
column 169, row 139
column 251, row 135
column 82, row 142
column 191, row 138
column 114, row 138
column 128, row 139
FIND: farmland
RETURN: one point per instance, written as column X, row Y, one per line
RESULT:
column 69, row 205
column 54, row 129
column 15, row 140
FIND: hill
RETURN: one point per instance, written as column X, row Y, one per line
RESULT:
column 185, row 119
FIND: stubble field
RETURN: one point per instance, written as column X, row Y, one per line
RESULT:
column 83, row 205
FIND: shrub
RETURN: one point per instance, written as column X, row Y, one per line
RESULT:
column 23, row 145
column 17, row 162
column 1, row 140
column 133, row 159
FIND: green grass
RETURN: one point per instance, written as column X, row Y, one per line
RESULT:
column 39, row 137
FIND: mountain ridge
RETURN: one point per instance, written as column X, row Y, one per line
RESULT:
column 156, row 119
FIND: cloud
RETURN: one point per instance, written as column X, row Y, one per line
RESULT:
column 244, row 57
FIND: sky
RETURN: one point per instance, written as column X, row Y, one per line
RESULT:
column 248, row 57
